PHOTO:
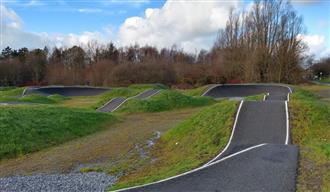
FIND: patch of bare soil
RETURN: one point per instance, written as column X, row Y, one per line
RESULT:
column 113, row 142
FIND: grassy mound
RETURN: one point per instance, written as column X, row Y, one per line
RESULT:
column 6, row 88
column 186, row 146
column 26, row 129
column 148, row 86
column 258, row 97
column 195, row 92
column 117, row 92
column 165, row 100
column 35, row 98
column 310, row 124
column 11, row 92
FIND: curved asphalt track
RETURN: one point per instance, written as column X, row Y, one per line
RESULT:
column 115, row 103
column 257, row 157
column 66, row 90
column 276, row 92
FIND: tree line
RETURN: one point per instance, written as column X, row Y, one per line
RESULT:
column 258, row 45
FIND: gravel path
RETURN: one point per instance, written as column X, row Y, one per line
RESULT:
column 79, row 182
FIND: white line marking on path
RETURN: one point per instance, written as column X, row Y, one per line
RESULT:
column 209, row 89
column 210, row 163
column 105, row 104
column 132, row 98
column 287, row 123
column 24, row 91
column 231, row 136
column 194, row 170
column 121, row 104
column 127, row 100
column 153, row 94
column 265, row 96
column 217, row 85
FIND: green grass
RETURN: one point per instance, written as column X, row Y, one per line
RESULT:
column 163, row 101
column 11, row 92
column 118, row 92
column 36, row 98
column 148, row 86
column 87, row 102
column 186, row 146
column 25, row 129
column 259, row 97
column 310, row 125
column 6, row 88
column 14, row 94
column 194, row 92
column 325, row 80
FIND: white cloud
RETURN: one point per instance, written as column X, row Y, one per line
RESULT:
column 10, row 18
column 133, row 3
column 184, row 23
column 305, row 2
column 317, row 45
column 191, row 25
column 33, row 3
column 14, row 35
column 89, row 10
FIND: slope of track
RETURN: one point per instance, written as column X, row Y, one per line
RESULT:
column 66, row 91
column 115, row 103
column 246, row 164
column 251, row 170
column 276, row 92
column 258, row 122
column 146, row 94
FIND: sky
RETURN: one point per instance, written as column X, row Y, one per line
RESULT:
column 191, row 25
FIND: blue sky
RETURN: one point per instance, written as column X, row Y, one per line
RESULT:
column 77, row 15
column 63, row 22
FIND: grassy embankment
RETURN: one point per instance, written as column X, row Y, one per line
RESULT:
column 25, row 129
column 11, row 94
column 14, row 95
column 11, row 91
column 184, row 147
column 259, row 97
column 125, row 92
column 194, row 92
column 163, row 101
column 200, row 90
column 310, row 124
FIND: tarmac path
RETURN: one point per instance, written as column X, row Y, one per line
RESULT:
column 115, row 103
column 258, row 156
column 68, row 91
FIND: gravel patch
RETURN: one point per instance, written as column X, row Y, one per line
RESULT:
column 58, row 182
